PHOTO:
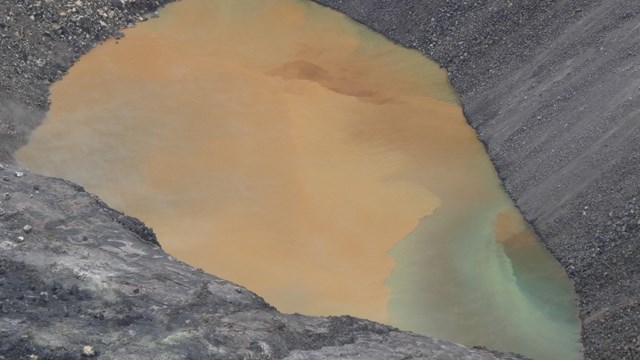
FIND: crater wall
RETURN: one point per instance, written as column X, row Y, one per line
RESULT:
column 550, row 86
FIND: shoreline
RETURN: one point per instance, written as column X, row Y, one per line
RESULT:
column 527, row 85
column 43, row 41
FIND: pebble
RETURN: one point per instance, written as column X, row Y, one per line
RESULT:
column 20, row 239
column 27, row 229
column 88, row 351
column 19, row 174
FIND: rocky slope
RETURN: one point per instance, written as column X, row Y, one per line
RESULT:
column 553, row 90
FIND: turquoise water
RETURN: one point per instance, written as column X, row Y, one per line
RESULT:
column 509, row 295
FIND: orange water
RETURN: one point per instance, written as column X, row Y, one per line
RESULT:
column 281, row 146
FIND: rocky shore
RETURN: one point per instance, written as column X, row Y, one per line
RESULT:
column 40, row 41
column 550, row 86
column 553, row 90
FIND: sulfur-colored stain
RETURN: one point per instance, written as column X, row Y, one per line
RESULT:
column 282, row 146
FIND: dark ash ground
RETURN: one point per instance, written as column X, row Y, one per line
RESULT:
column 551, row 86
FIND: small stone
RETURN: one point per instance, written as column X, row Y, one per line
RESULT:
column 19, row 174
column 33, row 357
column 20, row 239
column 7, row 196
column 88, row 351
column 27, row 229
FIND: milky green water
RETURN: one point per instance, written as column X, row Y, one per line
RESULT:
column 284, row 147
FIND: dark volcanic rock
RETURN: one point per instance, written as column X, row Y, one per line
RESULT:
column 553, row 90
column 83, row 277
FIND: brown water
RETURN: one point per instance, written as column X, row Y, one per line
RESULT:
column 281, row 146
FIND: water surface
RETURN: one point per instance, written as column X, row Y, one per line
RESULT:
column 281, row 146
